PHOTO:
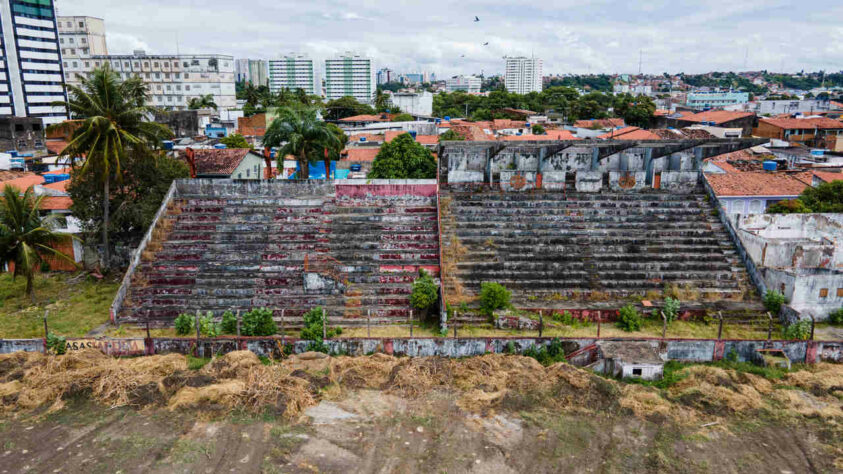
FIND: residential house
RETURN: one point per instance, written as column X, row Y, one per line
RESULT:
column 234, row 163
column 719, row 118
column 816, row 132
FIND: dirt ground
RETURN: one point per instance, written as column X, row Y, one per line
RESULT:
column 475, row 415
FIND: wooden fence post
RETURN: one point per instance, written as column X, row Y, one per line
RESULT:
column 455, row 324
column 541, row 323
column 238, row 324
column 813, row 322
column 720, row 325
column 199, row 352
column 46, row 331
column 369, row 323
column 599, row 320
column 283, row 330
column 324, row 326
column 410, row 321
column 664, row 325
column 769, row 326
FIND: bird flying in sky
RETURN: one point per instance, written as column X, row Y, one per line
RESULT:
column 476, row 19
column 486, row 43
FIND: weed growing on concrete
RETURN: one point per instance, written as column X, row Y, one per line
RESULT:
column 671, row 309
column 798, row 330
column 493, row 296
column 184, row 324
column 836, row 317
column 773, row 301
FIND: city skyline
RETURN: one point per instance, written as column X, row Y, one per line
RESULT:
column 571, row 37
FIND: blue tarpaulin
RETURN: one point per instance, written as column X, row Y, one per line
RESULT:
column 317, row 171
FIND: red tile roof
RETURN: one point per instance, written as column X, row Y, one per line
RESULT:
column 759, row 183
column 24, row 182
column 427, row 139
column 59, row 171
column 391, row 134
column 716, row 116
column 600, row 123
column 502, row 124
column 828, row 176
column 56, row 203
column 361, row 154
column 661, row 112
column 631, row 133
column 219, row 162
column 60, row 186
column 804, row 123
column 472, row 133
column 370, row 137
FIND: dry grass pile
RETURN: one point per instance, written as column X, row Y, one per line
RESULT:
column 717, row 391
column 362, row 372
column 820, row 379
column 647, row 403
column 236, row 364
column 808, row 405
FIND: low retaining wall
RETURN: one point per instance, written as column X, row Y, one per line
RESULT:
column 688, row 350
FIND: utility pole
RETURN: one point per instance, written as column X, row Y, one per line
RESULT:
column 640, row 60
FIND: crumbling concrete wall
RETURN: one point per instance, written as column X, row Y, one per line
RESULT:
column 589, row 181
column 7, row 346
column 680, row 181
column 627, row 180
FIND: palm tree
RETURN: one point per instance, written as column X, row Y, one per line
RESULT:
column 113, row 115
column 202, row 102
column 334, row 148
column 381, row 100
column 302, row 135
column 26, row 237
column 251, row 94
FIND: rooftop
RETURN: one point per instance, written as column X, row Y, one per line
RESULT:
column 750, row 183
column 361, row 154
column 630, row 352
column 716, row 116
column 803, row 123
column 212, row 161
column 600, row 123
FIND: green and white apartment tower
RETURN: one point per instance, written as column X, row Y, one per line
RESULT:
column 31, row 74
column 293, row 71
column 350, row 75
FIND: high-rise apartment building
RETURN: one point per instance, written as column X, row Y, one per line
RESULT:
column 293, row 71
column 254, row 71
column 172, row 79
column 470, row 84
column 523, row 75
column 385, row 75
column 81, row 36
column 30, row 65
column 350, row 75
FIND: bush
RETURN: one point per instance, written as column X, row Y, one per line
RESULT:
column 207, row 326
column 312, row 330
column 798, row 330
column 425, row 293
column 538, row 130
column 184, row 324
column 565, row 318
column 773, row 301
column 229, row 323
column 493, row 296
column 258, row 322
column 56, row 344
column 836, row 317
column 629, row 319
column 547, row 355
column 671, row 309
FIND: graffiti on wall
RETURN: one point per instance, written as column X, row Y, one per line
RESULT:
column 109, row 346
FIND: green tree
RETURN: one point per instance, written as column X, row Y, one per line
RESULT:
column 493, row 296
column 235, row 141
column 450, row 135
column 637, row 111
column 403, row 158
column 302, row 135
column 202, row 102
column 788, row 206
column 381, row 100
column 134, row 200
column 827, row 197
column 114, row 118
column 26, row 237
column 343, row 107
column 424, row 294
column 403, row 118
column 538, row 129
column 629, row 319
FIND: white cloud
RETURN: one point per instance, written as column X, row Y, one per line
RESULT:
column 572, row 36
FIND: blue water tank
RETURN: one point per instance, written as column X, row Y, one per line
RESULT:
column 448, row 118
column 220, row 146
column 355, row 167
column 168, row 144
column 14, row 153
column 817, row 152
column 770, row 165
column 362, row 139
column 49, row 178
column 413, row 134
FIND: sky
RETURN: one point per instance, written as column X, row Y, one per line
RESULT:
column 570, row 36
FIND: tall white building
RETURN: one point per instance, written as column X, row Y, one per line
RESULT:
column 350, row 75
column 523, row 75
column 470, row 84
column 81, row 36
column 252, row 70
column 172, row 79
column 293, row 72
column 30, row 65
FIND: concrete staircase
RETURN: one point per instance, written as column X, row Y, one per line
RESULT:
column 558, row 250
column 248, row 251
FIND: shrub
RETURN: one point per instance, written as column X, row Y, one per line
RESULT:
column 207, row 326
column 229, row 323
column 56, row 344
column 547, row 355
column 425, row 294
column 629, row 319
column 565, row 318
column 312, row 330
column 184, row 324
column 773, row 301
column 836, row 317
column 258, row 322
column 493, row 296
column 538, row 129
column 798, row 330
column 671, row 309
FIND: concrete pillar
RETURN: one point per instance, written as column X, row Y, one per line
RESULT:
column 595, row 158
column 542, row 155
column 488, row 171
column 698, row 153
column 648, row 165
